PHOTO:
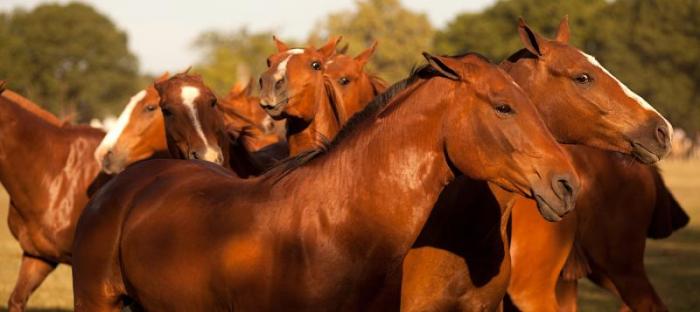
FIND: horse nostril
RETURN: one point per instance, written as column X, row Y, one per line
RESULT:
column 565, row 187
column 662, row 135
column 109, row 153
column 194, row 155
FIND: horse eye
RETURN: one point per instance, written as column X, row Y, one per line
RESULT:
column 504, row 109
column 213, row 103
column 316, row 65
column 166, row 112
column 150, row 107
column 583, row 79
column 344, row 80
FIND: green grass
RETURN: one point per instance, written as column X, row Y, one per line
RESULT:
column 673, row 264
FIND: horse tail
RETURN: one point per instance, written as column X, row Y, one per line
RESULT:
column 668, row 215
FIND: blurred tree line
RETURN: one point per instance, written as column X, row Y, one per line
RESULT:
column 70, row 58
column 73, row 59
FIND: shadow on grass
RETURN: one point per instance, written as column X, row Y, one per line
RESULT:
column 673, row 266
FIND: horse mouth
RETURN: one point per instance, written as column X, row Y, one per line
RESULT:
column 275, row 110
column 548, row 212
column 643, row 154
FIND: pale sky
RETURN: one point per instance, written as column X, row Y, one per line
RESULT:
column 161, row 32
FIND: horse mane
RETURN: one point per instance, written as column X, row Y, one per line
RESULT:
column 31, row 107
column 376, row 106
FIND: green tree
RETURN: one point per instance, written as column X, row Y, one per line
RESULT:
column 231, row 57
column 401, row 33
column 70, row 58
column 494, row 33
column 654, row 47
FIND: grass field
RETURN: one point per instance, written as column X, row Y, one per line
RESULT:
column 673, row 264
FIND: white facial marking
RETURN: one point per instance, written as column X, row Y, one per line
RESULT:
column 282, row 66
column 189, row 95
column 113, row 134
column 627, row 90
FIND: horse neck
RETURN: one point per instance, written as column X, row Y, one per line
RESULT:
column 379, row 185
column 303, row 136
column 28, row 145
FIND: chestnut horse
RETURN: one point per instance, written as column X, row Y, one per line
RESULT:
column 46, row 167
column 295, row 88
column 442, row 272
column 622, row 203
column 353, row 85
column 140, row 133
column 321, row 232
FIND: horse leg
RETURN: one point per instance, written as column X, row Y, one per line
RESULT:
column 32, row 272
column 632, row 285
column 567, row 293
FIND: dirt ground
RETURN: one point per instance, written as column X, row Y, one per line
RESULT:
column 673, row 264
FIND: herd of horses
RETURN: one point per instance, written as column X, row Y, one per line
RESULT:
column 453, row 189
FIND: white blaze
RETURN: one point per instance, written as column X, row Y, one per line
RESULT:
column 189, row 95
column 113, row 134
column 641, row 101
column 282, row 66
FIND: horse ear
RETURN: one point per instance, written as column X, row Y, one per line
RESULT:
column 444, row 65
column 363, row 57
column 343, row 49
column 163, row 77
column 160, row 86
column 281, row 46
column 563, row 31
column 328, row 49
column 531, row 40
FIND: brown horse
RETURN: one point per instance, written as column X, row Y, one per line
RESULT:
column 46, row 167
column 353, row 85
column 322, row 232
column 295, row 88
column 599, row 239
column 138, row 134
column 442, row 272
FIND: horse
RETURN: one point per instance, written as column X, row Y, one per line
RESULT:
column 304, row 98
column 323, row 230
column 47, row 168
column 353, row 85
column 140, row 133
column 442, row 272
column 598, row 239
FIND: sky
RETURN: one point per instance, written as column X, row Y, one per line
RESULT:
column 161, row 32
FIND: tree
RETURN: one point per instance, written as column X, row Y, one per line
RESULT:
column 231, row 57
column 70, row 58
column 401, row 33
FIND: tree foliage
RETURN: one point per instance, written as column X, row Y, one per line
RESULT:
column 402, row 34
column 653, row 46
column 70, row 58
